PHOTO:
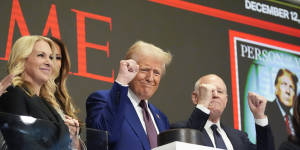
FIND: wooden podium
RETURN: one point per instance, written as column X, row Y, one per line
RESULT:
column 183, row 146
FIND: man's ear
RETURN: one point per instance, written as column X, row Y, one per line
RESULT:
column 195, row 98
column 276, row 90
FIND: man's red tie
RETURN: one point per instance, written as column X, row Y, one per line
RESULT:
column 287, row 123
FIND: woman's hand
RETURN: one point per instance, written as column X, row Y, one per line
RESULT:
column 73, row 125
column 5, row 82
column 74, row 128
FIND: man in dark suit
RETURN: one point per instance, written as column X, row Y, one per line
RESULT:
column 124, row 111
column 280, row 110
column 210, row 96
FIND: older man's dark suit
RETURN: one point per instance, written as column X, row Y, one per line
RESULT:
column 239, row 139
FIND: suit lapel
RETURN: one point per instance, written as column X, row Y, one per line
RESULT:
column 206, row 139
column 232, row 136
column 45, row 108
column 135, row 124
column 159, row 122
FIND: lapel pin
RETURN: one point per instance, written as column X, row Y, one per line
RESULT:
column 157, row 116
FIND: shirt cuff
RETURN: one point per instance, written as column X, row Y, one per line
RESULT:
column 125, row 85
column 202, row 108
column 262, row 122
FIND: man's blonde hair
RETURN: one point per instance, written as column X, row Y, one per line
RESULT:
column 141, row 48
column 21, row 50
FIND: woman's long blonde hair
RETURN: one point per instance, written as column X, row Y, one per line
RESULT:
column 21, row 50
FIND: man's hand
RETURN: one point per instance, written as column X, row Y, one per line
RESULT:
column 206, row 93
column 5, row 82
column 257, row 105
column 127, row 71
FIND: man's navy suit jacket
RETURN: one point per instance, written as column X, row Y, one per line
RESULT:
column 113, row 111
column 238, row 139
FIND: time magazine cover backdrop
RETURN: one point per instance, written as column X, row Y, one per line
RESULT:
column 245, row 42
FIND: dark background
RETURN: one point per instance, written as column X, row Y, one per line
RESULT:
column 199, row 43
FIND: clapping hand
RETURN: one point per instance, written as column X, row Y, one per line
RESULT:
column 72, row 124
column 74, row 129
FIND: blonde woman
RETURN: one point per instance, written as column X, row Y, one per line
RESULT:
column 34, row 68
